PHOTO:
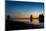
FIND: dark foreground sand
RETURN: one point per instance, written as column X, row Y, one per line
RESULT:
column 14, row 25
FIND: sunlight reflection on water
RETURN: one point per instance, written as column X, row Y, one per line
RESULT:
column 34, row 21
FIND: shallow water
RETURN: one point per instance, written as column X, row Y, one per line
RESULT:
column 34, row 21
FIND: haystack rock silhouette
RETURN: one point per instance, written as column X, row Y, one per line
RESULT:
column 41, row 18
column 8, row 17
column 31, row 18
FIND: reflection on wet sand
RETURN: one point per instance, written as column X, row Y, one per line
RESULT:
column 35, row 21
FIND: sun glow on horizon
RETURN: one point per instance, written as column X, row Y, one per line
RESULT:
column 35, row 15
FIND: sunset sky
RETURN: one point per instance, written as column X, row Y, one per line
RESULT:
column 24, row 9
